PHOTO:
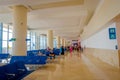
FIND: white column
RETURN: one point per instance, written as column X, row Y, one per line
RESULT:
column 19, row 30
column 50, row 39
column 58, row 41
column 62, row 41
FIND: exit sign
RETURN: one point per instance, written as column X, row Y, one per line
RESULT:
column 112, row 33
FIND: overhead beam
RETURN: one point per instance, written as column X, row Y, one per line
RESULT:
column 57, row 4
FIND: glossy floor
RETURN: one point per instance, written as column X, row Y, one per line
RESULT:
column 75, row 67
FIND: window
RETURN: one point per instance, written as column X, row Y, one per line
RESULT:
column 28, row 40
column 10, row 30
column 5, row 36
column 5, row 39
column 32, row 40
column 4, row 47
column 54, row 43
column 43, row 41
column 1, row 27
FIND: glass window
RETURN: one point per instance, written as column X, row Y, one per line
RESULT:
column 10, row 29
column 10, row 36
column 0, row 35
column 29, row 41
column 43, row 42
column 28, row 35
column 5, row 29
column 32, row 40
column 5, row 35
column 54, row 43
column 10, row 47
column 28, row 45
column 4, row 46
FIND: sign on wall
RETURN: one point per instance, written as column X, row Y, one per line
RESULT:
column 112, row 33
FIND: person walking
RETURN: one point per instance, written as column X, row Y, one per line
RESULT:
column 71, row 49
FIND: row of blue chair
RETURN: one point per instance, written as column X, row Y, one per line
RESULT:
column 43, row 51
column 56, row 51
column 32, row 60
column 32, row 53
column 4, row 56
column 13, row 71
column 36, row 52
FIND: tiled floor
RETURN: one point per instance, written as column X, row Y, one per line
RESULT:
column 75, row 67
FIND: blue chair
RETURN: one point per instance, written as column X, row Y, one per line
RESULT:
column 20, row 67
column 3, row 75
column 31, row 60
column 4, row 56
column 13, row 71
column 17, row 58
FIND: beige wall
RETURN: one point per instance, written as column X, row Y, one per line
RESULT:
column 117, row 20
column 107, row 11
column 119, row 57
column 108, row 56
column 111, row 57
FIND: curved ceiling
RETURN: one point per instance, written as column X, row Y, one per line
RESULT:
column 65, row 17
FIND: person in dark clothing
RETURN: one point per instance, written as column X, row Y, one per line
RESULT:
column 62, row 50
column 52, row 55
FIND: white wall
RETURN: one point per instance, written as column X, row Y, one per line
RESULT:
column 101, row 40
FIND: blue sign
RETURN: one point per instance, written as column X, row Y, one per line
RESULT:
column 112, row 33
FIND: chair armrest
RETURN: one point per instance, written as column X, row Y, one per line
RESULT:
column 10, row 74
column 21, row 69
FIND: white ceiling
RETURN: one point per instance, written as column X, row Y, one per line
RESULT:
column 66, row 21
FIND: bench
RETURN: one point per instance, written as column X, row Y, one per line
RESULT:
column 13, row 71
column 31, row 60
column 56, row 52
column 32, row 52
column 4, row 56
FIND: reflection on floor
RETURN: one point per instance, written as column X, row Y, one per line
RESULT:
column 75, row 67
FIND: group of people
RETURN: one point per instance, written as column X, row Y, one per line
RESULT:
column 69, row 49
column 63, row 49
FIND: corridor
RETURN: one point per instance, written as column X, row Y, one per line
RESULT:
column 30, row 29
column 75, row 67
